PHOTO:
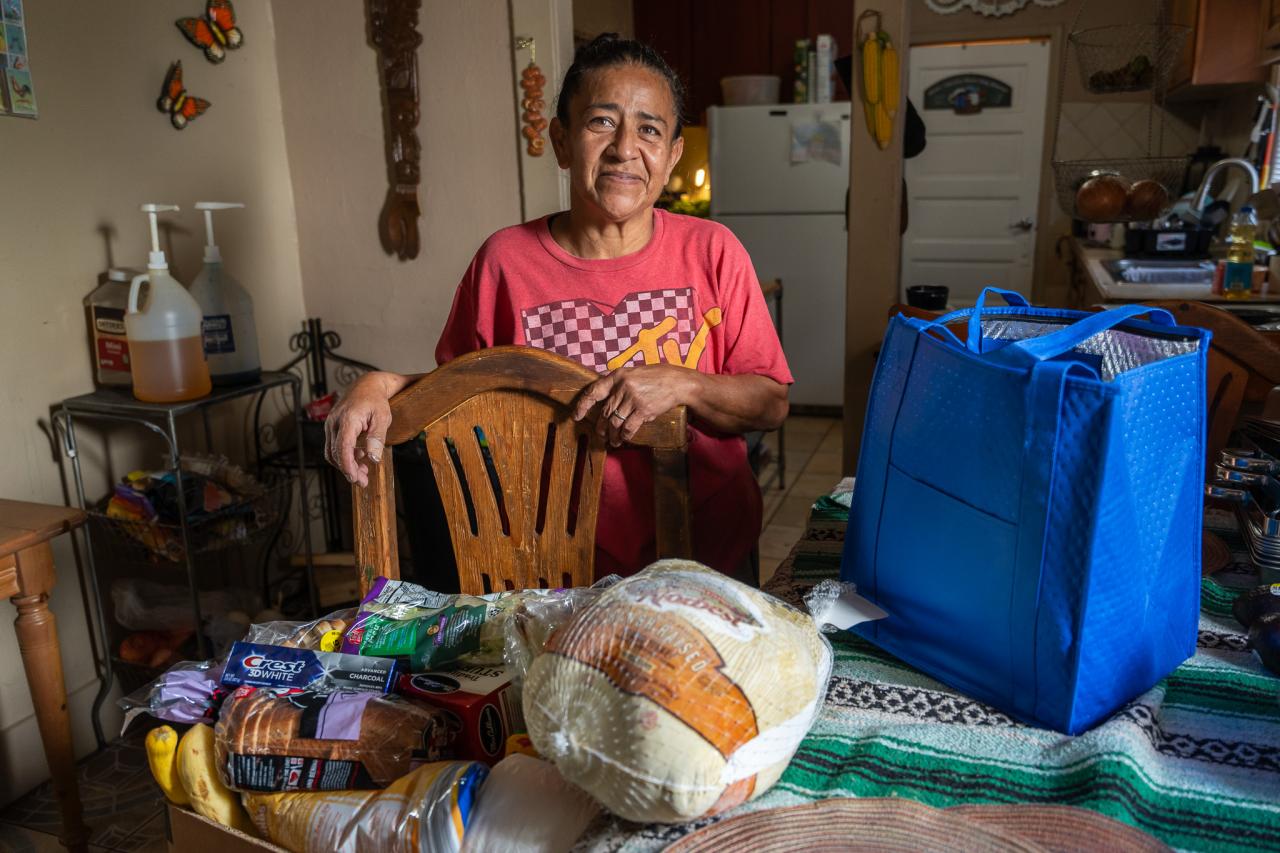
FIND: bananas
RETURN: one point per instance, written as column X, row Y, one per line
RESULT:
column 198, row 773
column 880, row 74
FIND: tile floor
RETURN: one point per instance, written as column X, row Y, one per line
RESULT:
column 124, row 808
column 813, row 469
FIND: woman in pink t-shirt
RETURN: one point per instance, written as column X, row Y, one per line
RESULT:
column 667, row 308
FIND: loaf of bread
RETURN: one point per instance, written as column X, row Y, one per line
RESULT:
column 276, row 741
column 679, row 693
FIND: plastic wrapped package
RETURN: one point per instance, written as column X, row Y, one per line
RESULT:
column 142, row 605
column 536, row 617
column 323, row 635
column 282, row 740
column 428, row 810
column 679, row 693
column 432, row 629
column 188, row 692
column 428, row 629
column 528, row 807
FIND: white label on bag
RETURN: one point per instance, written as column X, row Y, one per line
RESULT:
column 1171, row 242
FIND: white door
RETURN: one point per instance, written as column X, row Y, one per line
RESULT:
column 806, row 251
column 974, row 191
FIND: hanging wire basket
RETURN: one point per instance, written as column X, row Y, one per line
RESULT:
column 246, row 522
column 1128, row 57
column 1068, row 175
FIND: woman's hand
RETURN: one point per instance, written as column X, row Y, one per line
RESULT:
column 633, row 396
column 364, row 410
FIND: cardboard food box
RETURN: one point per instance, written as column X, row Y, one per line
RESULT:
column 481, row 704
column 189, row 831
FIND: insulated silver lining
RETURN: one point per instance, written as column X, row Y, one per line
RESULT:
column 1120, row 350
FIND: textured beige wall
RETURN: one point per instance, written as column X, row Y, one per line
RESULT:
column 98, row 150
column 390, row 312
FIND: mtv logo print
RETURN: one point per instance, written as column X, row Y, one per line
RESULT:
column 638, row 328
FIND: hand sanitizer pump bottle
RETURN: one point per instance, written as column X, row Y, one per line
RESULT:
column 230, row 337
column 166, row 353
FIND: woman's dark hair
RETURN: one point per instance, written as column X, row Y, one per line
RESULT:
column 607, row 50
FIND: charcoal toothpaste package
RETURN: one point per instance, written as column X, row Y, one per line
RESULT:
column 262, row 665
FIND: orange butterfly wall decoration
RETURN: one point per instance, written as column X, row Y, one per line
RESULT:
column 174, row 100
column 216, row 32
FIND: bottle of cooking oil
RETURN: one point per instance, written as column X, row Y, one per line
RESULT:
column 1237, row 277
column 166, row 345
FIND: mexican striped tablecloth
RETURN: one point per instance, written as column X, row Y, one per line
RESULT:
column 1195, row 761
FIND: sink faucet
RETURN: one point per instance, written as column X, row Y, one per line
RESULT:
column 1202, row 194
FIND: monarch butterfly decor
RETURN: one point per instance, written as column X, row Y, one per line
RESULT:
column 174, row 100
column 216, row 32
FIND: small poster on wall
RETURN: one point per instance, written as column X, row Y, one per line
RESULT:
column 17, row 92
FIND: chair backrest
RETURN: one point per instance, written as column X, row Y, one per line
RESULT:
column 519, row 478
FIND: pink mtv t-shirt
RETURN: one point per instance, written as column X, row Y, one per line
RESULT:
column 689, row 297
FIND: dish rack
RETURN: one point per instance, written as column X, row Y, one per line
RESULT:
column 1116, row 59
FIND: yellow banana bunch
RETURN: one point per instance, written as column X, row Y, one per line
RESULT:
column 879, row 86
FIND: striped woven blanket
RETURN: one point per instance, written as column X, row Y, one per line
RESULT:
column 1195, row 761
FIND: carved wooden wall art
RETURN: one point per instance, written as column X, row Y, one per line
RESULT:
column 393, row 25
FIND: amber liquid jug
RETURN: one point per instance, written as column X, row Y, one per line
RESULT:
column 164, row 327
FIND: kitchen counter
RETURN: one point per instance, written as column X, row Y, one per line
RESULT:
column 1101, row 287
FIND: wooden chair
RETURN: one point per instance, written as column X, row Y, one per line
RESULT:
column 519, row 478
column 1244, row 364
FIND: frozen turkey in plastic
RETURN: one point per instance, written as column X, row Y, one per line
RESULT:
column 679, row 693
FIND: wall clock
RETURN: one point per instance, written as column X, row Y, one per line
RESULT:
column 990, row 8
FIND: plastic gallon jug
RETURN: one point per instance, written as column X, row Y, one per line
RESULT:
column 106, row 306
column 166, row 347
column 230, row 336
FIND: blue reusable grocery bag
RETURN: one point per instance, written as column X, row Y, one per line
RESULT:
column 1028, row 504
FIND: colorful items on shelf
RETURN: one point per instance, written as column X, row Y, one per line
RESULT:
column 219, row 496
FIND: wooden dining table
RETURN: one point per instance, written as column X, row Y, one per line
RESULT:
column 27, row 576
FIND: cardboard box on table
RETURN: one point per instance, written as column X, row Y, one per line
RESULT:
column 189, row 832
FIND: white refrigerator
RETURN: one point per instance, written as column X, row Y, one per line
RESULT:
column 791, row 218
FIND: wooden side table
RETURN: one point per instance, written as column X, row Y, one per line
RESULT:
column 26, row 577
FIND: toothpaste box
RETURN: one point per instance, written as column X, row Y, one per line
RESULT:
column 481, row 703
column 262, row 665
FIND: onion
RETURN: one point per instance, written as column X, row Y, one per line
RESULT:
column 1146, row 200
column 1101, row 199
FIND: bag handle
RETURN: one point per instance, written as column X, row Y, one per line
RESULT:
column 1011, row 297
column 1056, row 343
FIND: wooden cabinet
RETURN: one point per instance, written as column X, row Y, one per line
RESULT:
column 1271, row 29
column 705, row 40
column 1223, row 50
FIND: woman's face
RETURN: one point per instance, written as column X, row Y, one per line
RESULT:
column 619, row 146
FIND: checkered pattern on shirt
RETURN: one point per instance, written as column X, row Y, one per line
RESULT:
column 580, row 330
